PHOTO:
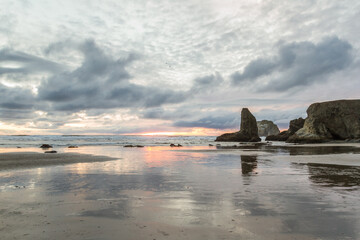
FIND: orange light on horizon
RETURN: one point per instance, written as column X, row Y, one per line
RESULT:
column 161, row 134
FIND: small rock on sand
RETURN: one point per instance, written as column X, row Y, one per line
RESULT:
column 174, row 145
column 51, row 151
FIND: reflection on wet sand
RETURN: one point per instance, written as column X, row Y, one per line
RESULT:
column 294, row 149
column 248, row 164
column 322, row 150
column 334, row 175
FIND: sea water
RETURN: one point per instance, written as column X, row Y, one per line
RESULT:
column 101, row 140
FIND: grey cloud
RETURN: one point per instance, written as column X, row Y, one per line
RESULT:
column 190, row 116
column 297, row 64
column 16, row 98
column 206, row 83
column 26, row 63
column 16, row 115
column 167, row 114
column 103, row 82
column 61, row 46
column 155, row 113
column 230, row 120
column 254, row 70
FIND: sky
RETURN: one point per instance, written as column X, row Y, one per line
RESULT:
column 175, row 67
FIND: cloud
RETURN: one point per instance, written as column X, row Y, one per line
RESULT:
column 174, row 113
column 206, row 83
column 16, row 115
column 16, row 98
column 297, row 64
column 19, row 62
column 229, row 120
column 254, row 70
column 103, row 82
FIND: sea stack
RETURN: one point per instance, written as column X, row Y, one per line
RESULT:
column 326, row 121
column 248, row 130
column 266, row 128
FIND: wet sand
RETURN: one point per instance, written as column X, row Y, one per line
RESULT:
column 346, row 154
column 15, row 160
column 189, row 193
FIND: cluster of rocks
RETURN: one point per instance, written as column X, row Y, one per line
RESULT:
column 175, row 145
column 294, row 126
column 131, row 146
column 48, row 146
column 248, row 130
column 326, row 121
column 72, row 146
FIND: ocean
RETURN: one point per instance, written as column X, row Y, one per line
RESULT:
column 14, row 141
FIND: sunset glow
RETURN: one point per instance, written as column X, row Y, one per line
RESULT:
column 190, row 132
column 163, row 134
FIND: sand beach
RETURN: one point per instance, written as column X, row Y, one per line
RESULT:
column 193, row 192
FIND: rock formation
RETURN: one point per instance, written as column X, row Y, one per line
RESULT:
column 45, row 146
column 248, row 130
column 294, row 126
column 266, row 128
column 334, row 120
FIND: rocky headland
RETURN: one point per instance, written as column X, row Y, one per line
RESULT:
column 248, row 130
column 327, row 121
column 337, row 120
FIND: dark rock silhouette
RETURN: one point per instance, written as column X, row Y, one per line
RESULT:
column 294, row 126
column 248, row 130
column 266, row 128
column 72, row 146
column 334, row 120
column 46, row 146
column 174, row 145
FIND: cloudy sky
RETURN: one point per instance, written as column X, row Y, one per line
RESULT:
column 119, row 67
